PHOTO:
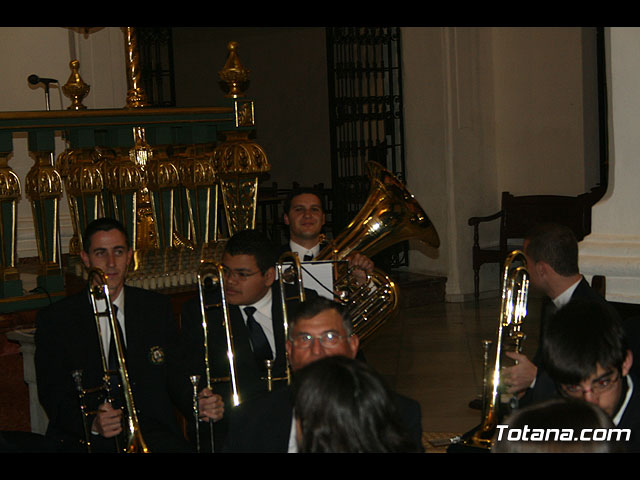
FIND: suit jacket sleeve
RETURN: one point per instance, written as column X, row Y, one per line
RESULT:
column 55, row 387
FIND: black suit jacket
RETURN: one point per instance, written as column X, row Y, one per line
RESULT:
column 631, row 417
column 263, row 425
column 544, row 387
column 249, row 374
column 66, row 339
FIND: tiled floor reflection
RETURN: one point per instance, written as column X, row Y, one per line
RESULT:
column 433, row 354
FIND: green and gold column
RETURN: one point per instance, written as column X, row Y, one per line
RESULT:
column 239, row 160
column 10, row 192
column 43, row 186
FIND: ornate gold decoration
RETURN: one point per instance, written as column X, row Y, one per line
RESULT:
column 83, row 175
column 234, row 76
column 43, row 185
column 123, row 178
column 122, row 175
column 10, row 193
column 43, row 181
column 84, row 183
column 163, row 178
column 239, row 162
column 244, row 113
column 199, row 179
column 161, row 171
column 9, row 181
column 196, row 169
column 75, row 88
column 136, row 96
column 146, row 225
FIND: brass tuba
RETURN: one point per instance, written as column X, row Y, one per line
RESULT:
column 513, row 310
column 99, row 292
column 390, row 215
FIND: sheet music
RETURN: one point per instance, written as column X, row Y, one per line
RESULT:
column 318, row 276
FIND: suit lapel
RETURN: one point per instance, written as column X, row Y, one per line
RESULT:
column 132, row 321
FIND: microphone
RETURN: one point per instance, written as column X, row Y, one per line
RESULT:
column 35, row 79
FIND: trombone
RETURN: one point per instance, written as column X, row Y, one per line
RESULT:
column 513, row 310
column 214, row 273
column 289, row 275
column 99, row 292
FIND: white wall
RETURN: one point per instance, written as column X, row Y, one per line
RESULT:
column 46, row 52
column 490, row 110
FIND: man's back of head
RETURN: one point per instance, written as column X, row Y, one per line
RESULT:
column 556, row 245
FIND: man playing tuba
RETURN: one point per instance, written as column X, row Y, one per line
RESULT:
column 305, row 216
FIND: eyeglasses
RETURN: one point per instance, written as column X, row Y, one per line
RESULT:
column 326, row 339
column 239, row 274
column 598, row 386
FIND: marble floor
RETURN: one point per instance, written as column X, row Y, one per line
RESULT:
column 433, row 354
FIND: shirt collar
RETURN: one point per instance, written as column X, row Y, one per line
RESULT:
column 627, row 397
column 119, row 301
column 562, row 299
column 302, row 251
column 264, row 304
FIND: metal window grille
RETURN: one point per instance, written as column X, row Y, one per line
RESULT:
column 156, row 65
column 366, row 118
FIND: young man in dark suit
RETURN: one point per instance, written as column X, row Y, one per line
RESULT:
column 587, row 355
column 256, row 320
column 551, row 251
column 318, row 330
column 67, row 340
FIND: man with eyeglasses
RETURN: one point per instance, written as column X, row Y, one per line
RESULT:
column 256, row 323
column 586, row 353
column 319, row 329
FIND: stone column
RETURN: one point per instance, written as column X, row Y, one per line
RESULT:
column 613, row 247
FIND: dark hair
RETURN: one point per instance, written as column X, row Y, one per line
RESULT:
column 555, row 244
column 300, row 191
column 580, row 336
column 255, row 243
column 103, row 224
column 312, row 307
column 344, row 406
column 554, row 416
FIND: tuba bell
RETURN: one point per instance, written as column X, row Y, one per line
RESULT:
column 513, row 310
column 390, row 215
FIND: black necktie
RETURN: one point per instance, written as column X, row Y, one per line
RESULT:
column 307, row 258
column 261, row 348
column 113, row 355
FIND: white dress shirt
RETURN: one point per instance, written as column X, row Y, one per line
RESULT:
column 302, row 251
column 562, row 299
column 618, row 416
column 105, row 325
